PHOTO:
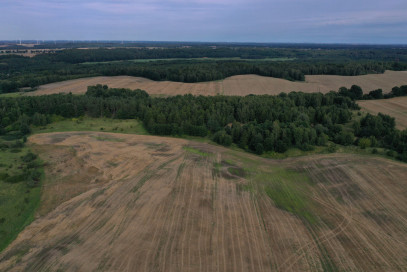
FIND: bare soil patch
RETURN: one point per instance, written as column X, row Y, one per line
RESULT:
column 175, row 213
column 395, row 107
column 235, row 85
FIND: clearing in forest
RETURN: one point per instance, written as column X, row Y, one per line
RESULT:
column 235, row 85
column 119, row 202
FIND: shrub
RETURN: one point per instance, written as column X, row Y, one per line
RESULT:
column 221, row 137
column 364, row 143
column 29, row 157
column 4, row 175
column 332, row 148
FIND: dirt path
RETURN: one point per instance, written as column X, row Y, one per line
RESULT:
column 235, row 85
column 146, row 203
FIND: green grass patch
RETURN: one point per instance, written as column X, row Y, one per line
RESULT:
column 94, row 124
column 196, row 151
column 15, row 94
column 290, row 191
column 295, row 152
column 108, row 139
column 19, row 199
column 380, row 152
column 244, row 187
column 216, row 169
column 237, row 171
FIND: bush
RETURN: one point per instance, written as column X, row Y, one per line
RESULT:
column 332, row 148
column 259, row 149
column 17, row 144
column 344, row 138
column 16, row 178
column 29, row 157
column 4, row 175
column 364, row 143
column 306, row 147
column 221, row 137
column 375, row 151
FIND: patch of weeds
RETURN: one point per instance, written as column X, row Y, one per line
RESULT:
column 109, row 139
column 240, row 187
column 166, row 163
column 97, row 193
column 216, row 169
column 154, row 145
column 142, row 181
column 378, row 217
column 180, row 169
column 227, row 163
column 348, row 189
column 104, row 264
column 326, row 262
column 237, row 171
column 290, row 192
column 197, row 151
column 112, row 164
column 100, row 224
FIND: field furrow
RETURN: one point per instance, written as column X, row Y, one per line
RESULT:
column 150, row 203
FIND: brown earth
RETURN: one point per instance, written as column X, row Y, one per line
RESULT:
column 395, row 107
column 149, row 203
column 235, row 85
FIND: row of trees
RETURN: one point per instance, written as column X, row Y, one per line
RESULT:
column 356, row 93
column 255, row 123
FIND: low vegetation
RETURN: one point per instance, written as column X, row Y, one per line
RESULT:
column 20, row 178
column 85, row 123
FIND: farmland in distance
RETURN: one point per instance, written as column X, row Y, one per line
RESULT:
column 235, row 85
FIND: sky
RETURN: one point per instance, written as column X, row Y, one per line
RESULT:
column 298, row 21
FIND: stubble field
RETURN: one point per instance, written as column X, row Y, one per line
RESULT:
column 116, row 202
column 235, row 85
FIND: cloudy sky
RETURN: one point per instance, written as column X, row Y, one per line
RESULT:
column 330, row 21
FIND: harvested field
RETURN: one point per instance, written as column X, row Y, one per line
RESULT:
column 395, row 107
column 79, row 86
column 163, row 204
column 235, row 85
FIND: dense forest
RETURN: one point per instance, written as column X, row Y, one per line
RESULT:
column 254, row 123
column 195, row 64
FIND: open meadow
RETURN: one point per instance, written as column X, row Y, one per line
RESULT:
column 116, row 202
column 235, row 85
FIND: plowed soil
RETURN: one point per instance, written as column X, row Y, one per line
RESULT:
column 149, row 203
column 235, row 85
column 395, row 107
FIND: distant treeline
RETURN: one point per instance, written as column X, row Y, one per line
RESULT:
column 356, row 93
column 17, row 72
column 255, row 123
column 62, row 44
column 344, row 55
